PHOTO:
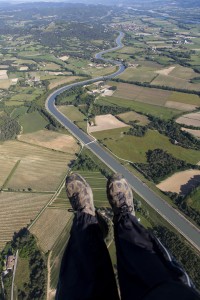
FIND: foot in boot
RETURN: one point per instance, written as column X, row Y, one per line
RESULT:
column 120, row 195
column 80, row 194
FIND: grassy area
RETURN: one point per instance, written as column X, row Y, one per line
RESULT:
column 142, row 74
column 74, row 114
column 32, row 122
column 134, row 117
column 60, row 80
column 185, row 98
column 20, row 111
column 155, row 110
column 22, row 272
column 134, row 148
column 194, row 200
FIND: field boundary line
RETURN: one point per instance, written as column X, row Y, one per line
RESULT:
column 43, row 147
column 10, row 174
column 48, row 275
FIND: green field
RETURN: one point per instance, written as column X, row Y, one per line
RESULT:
column 74, row 114
column 185, row 98
column 141, row 74
column 22, row 272
column 194, row 200
column 134, row 148
column 20, row 111
column 32, row 122
column 132, row 116
column 154, row 110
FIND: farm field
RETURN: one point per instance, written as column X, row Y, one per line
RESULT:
column 192, row 119
column 105, row 122
column 42, row 229
column 175, row 82
column 32, row 122
column 7, row 165
column 154, row 110
column 63, row 80
column 22, row 208
column 74, row 114
column 142, row 94
column 134, row 117
column 51, row 140
column 173, row 76
column 194, row 132
column 95, row 72
column 57, row 253
column 38, row 169
column 141, row 74
column 181, row 182
column 157, row 96
column 134, row 148
column 180, row 106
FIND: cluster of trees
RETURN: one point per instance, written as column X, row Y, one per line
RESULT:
column 25, row 243
column 181, row 251
column 174, row 132
column 137, row 130
column 80, row 97
column 9, row 128
column 61, row 98
column 106, row 109
column 86, row 163
column 184, row 203
column 161, row 164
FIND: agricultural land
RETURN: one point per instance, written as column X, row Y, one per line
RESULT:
column 148, row 117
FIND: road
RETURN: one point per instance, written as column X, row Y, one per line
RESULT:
column 187, row 229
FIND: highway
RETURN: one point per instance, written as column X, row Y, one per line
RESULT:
column 177, row 220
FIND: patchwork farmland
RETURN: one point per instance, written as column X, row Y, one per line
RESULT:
column 22, row 209
column 40, row 166
column 39, row 169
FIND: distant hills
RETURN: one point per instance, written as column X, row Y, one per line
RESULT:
column 177, row 3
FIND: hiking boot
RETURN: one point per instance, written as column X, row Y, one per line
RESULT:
column 120, row 195
column 80, row 194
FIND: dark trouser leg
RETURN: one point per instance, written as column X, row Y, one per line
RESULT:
column 139, row 267
column 86, row 269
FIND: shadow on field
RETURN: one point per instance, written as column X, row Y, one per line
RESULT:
column 190, row 185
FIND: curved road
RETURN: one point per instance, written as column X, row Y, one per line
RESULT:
column 187, row 229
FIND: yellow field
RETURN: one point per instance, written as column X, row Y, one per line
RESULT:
column 39, row 169
column 17, row 211
column 6, row 167
column 49, row 226
column 5, row 84
column 51, row 140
